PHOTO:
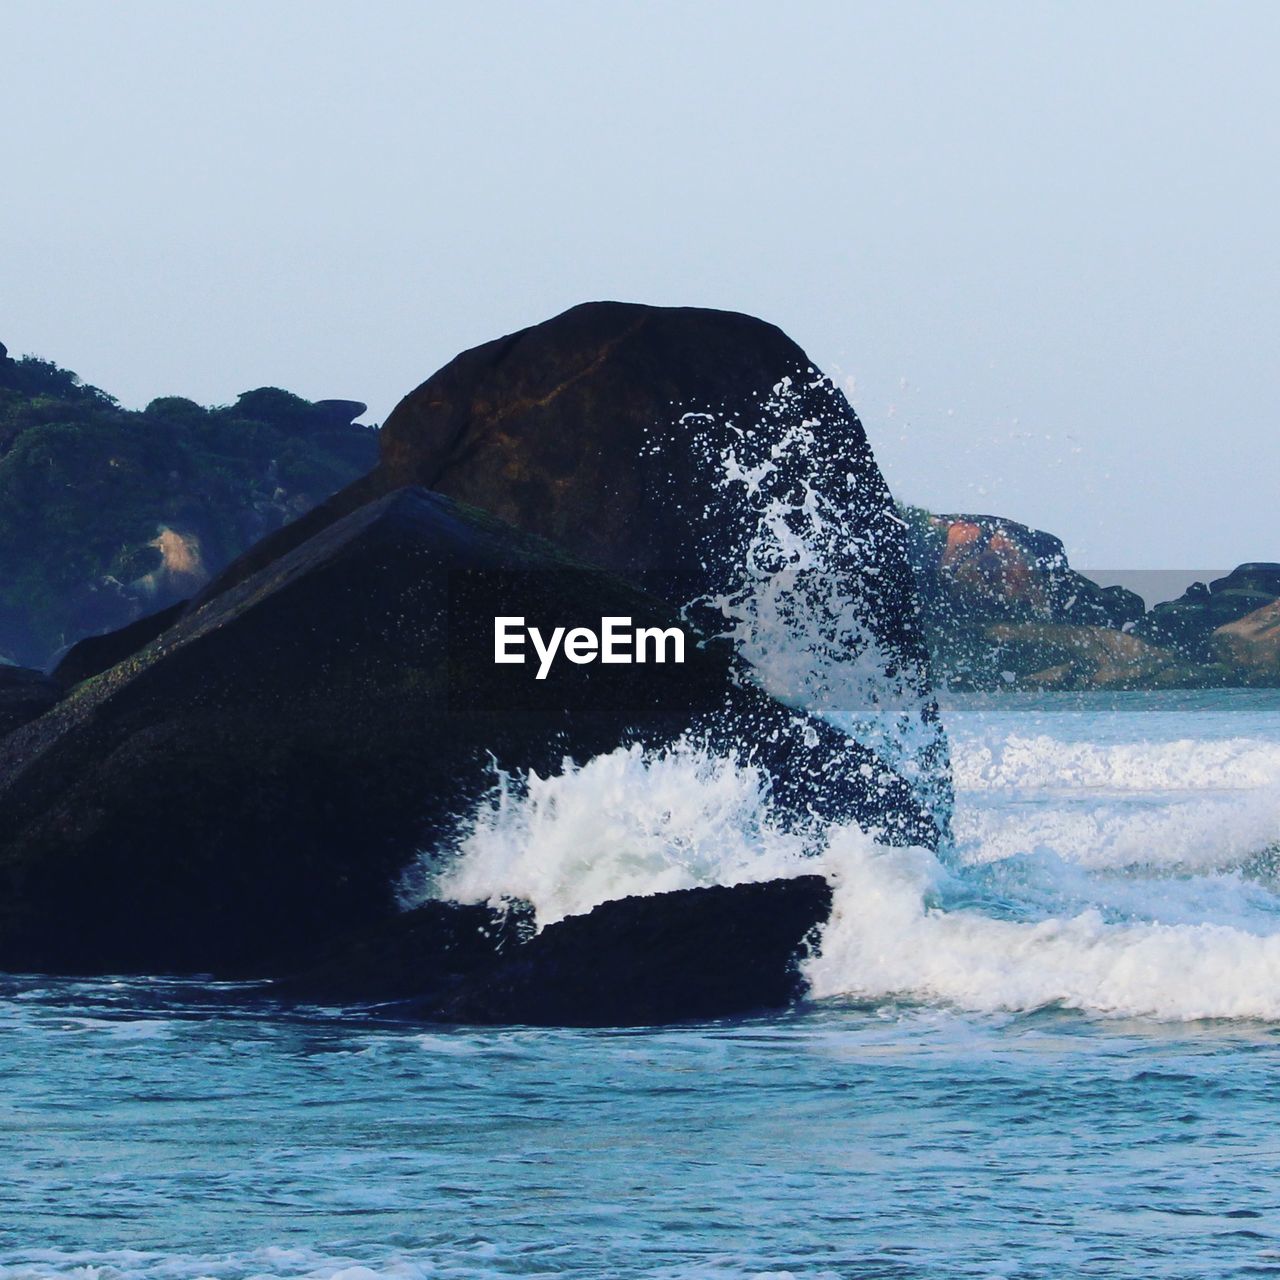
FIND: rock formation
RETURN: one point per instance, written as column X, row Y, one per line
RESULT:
column 256, row 777
column 1187, row 625
column 246, row 784
column 691, row 954
column 1250, row 645
column 688, row 954
column 700, row 454
column 1002, row 608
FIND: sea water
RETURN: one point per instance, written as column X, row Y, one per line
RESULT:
column 1052, row 1051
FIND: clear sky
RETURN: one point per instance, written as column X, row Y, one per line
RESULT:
column 1038, row 243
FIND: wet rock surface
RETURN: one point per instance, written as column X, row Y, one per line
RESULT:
column 684, row 955
column 690, row 954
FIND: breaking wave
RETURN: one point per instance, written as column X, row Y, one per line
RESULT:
column 1138, row 878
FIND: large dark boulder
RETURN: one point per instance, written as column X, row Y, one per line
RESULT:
column 242, row 791
column 258, row 775
column 701, row 454
column 610, row 429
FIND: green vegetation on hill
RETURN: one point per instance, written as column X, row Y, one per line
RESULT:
column 108, row 513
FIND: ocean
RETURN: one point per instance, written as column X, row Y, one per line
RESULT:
column 1053, row 1051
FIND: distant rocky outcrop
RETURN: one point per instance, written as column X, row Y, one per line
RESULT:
column 1188, row 625
column 1250, row 646
column 986, row 567
column 107, row 515
column 1002, row 608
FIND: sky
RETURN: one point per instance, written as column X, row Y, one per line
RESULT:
column 1038, row 244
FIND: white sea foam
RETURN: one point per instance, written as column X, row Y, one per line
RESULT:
column 1094, row 910
column 1044, row 762
column 1184, row 803
column 890, row 936
column 1186, row 832
column 628, row 822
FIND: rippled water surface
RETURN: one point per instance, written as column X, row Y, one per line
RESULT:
column 1015, row 1080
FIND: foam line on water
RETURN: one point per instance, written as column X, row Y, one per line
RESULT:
column 1205, row 832
column 1045, row 762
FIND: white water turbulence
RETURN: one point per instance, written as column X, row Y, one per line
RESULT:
column 626, row 823
column 1115, row 854
column 806, row 552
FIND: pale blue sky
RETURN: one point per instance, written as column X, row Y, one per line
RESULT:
column 1038, row 240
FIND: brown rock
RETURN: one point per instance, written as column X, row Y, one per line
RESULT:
column 1251, row 645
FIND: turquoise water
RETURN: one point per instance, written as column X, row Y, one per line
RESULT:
column 1060, row 1057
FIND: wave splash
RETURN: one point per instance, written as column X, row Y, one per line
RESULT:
column 1010, row 923
column 803, row 554
column 627, row 823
